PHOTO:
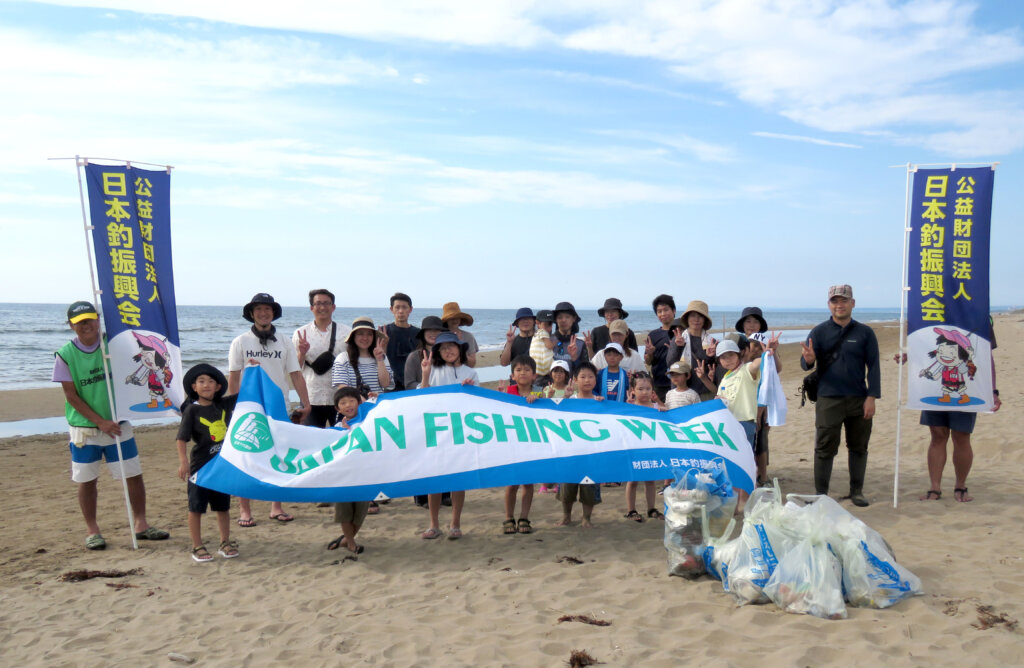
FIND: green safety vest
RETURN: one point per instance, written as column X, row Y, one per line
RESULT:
column 90, row 383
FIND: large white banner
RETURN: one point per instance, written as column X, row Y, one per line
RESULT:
column 460, row 438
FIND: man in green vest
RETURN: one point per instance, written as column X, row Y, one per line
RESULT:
column 78, row 367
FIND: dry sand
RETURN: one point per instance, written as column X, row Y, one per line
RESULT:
column 491, row 599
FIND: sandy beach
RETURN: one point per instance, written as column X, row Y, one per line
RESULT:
column 491, row 599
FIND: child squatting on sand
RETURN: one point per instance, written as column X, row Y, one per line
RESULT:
column 349, row 514
column 588, row 494
column 204, row 420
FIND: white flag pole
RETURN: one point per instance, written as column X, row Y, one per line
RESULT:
column 79, row 164
column 904, row 288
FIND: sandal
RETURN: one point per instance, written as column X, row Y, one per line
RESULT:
column 95, row 542
column 373, row 509
column 336, row 543
column 431, row 534
column 633, row 515
column 282, row 517
column 246, row 522
column 960, row 494
column 508, row 527
column 525, row 526
column 201, row 554
column 454, row 533
column 228, row 549
column 655, row 514
column 932, row 495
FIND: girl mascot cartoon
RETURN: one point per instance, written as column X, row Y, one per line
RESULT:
column 954, row 363
column 154, row 368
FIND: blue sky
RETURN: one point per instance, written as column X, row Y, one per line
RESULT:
column 504, row 153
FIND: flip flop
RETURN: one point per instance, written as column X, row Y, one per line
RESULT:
column 152, row 533
column 336, row 543
column 431, row 534
column 960, row 494
column 282, row 517
column 95, row 542
column 454, row 534
column 373, row 508
column 932, row 495
column 246, row 523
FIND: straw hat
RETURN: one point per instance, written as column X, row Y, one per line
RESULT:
column 696, row 306
column 362, row 323
column 451, row 310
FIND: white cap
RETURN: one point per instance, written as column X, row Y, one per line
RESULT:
column 616, row 347
column 726, row 346
column 561, row 364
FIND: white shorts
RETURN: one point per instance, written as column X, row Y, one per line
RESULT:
column 94, row 446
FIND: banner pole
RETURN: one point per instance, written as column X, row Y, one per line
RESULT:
column 903, row 330
column 86, row 227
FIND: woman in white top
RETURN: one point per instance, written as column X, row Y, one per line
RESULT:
column 446, row 365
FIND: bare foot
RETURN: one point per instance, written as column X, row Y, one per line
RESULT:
column 564, row 522
column 585, row 524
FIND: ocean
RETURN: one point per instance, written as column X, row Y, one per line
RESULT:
column 32, row 332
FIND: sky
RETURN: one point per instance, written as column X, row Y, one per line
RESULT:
column 508, row 153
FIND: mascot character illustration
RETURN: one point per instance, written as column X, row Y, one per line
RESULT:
column 954, row 365
column 154, row 369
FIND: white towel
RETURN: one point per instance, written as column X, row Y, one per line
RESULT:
column 769, row 392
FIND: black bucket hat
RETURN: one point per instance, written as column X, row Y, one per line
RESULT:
column 204, row 369
column 565, row 307
column 261, row 298
column 613, row 303
column 752, row 311
column 430, row 322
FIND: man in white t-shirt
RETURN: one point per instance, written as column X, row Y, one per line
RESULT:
column 261, row 347
column 316, row 345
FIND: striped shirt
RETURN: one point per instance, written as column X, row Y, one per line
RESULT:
column 343, row 374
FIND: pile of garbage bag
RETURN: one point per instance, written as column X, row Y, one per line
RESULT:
column 808, row 555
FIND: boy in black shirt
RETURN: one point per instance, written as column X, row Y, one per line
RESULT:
column 204, row 420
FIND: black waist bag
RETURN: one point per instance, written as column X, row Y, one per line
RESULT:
column 325, row 360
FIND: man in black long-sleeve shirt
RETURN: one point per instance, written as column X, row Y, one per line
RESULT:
column 848, row 384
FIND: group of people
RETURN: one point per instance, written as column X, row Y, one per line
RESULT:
column 334, row 367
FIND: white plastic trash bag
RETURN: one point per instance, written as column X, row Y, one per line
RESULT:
column 808, row 581
column 871, row 576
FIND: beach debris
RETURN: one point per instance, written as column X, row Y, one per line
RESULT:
column 180, row 658
column 82, row 575
column 493, row 560
column 952, row 607
column 586, row 619
column 121, row 585
column 579, row 658
column 41, row 550
column 988, row 618
column 569, row 560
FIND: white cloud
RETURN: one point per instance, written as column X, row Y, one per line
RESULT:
column 808, row 140
column 808, row 60
column 681, row 143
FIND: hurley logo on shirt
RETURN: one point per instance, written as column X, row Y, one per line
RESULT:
column 269, row 354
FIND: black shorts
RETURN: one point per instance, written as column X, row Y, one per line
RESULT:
column 200, row 497
column 953, row 420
